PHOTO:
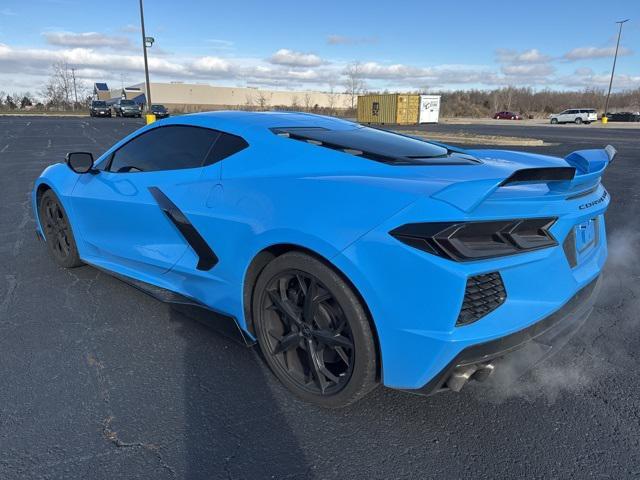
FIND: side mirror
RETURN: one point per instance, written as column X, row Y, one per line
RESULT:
column 80, row 162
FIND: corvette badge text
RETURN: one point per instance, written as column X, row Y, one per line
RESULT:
column 594, row 203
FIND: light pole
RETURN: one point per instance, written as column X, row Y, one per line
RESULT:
column 146, row 40
column 615, row 57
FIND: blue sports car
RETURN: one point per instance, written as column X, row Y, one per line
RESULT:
column 353, row 256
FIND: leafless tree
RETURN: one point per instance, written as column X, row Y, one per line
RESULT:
column 262, row 100
column 332, row 97
column 307, row 102
column 249, row 102
column 354, row 82
column 295, row 103
column 59, row 91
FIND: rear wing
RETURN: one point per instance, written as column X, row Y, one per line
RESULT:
column 585, row 169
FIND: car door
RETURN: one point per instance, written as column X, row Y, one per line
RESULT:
column 130, row 213
column 563, row 116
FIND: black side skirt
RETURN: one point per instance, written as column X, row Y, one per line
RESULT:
column 224, row 324
column 206, row 258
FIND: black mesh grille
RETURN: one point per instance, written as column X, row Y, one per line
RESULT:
column 483, row 294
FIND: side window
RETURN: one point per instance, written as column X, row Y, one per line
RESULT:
column 225, row 146
column 173, row 147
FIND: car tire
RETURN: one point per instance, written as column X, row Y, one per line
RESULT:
column 578, row 121
column 554, row 121
column 57, row 231
column 313, row 331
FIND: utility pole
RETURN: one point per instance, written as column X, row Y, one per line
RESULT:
column 615, row 57
column 146, row 65
column 75, row 92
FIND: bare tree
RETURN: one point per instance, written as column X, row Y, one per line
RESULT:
column 332, row 97
column 354, row 82
column 307, row 102
column 262, row 101
column 249, row 102
column 295, row 103
column 59, row 88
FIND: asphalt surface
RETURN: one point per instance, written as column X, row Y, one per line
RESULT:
column 97, row 380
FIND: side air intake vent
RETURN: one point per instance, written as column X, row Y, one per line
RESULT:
column 483, row 294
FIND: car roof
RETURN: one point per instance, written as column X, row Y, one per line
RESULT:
column 241, row 122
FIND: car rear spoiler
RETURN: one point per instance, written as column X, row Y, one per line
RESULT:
column 585, row 168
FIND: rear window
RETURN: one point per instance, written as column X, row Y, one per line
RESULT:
column 99, row 104
column 375, row 144
column 127, row 102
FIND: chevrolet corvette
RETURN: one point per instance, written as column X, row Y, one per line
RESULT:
column 352, row 256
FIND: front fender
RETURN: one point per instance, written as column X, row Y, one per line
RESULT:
column 59, row 178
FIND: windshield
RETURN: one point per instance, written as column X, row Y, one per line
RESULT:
column 127, row 102
column 99, row 104
column 157, row 107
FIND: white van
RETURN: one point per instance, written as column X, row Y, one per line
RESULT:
column 575, row 115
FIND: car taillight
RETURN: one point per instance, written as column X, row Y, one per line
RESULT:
column 468, row 241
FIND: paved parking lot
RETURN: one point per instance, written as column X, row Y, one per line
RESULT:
column 98, row 380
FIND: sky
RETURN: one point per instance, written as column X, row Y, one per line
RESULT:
column 405, row 45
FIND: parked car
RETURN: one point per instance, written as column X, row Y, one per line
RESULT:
column 127, row 108
column 624, row 117
column 160, row 111
column 575, row 115
column 352, row 256
column 99, row 108
column 507, row 116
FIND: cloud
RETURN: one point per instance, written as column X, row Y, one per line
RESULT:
column 39, row 60
column 533, row 70
column 211, row 65
column 292, row 58
column 586, row 53
column 345, row 40
column 533, row 55
column 86, row 40
column 288, row 69
column 130, row 28
column 583, row 71
column 7, row 12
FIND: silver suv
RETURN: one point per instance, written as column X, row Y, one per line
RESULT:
column 575, row 115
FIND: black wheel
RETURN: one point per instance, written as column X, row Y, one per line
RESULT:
column 578, row 121
column 313, row 331
column 554, row 121
column 57, row 231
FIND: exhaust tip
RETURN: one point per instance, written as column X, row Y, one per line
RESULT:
column 461, row 375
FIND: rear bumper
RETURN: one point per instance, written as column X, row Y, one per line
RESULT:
column 550, row 333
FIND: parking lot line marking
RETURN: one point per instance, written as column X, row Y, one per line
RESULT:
column 4, row 148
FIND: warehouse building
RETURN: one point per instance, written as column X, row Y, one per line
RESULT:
column 190, row 97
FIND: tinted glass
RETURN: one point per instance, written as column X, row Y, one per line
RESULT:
column 224, row 147
column 166, row 148
column 127, row 102
column 386, row 145
column 99, row 104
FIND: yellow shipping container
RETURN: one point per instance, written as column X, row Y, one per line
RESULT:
column 390, row 108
